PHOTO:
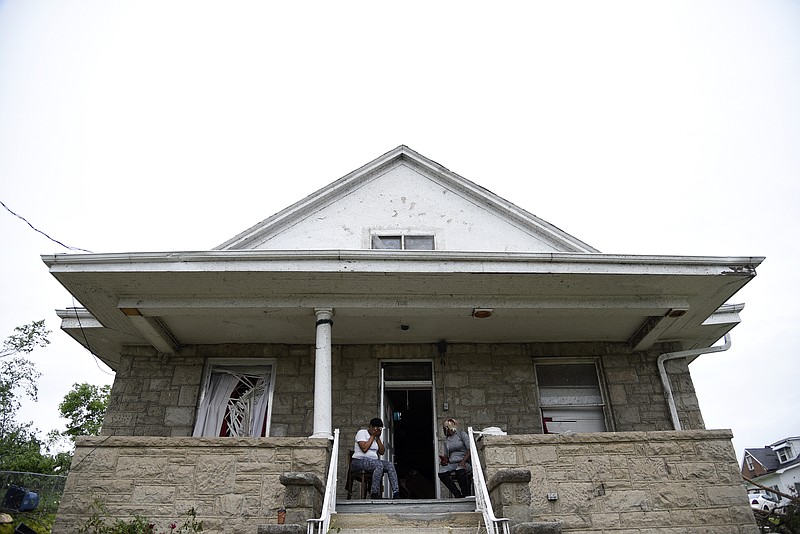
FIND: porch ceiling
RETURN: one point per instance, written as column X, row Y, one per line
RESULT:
column 172, row 299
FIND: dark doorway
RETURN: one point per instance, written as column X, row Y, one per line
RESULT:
column 414, row 453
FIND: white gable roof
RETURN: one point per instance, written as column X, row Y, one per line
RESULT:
column 402, row 192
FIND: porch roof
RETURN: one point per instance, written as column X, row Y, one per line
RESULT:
column 168, row 299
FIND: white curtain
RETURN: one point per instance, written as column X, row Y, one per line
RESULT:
column 246, row 413
column 213, row 406
column 259, row 414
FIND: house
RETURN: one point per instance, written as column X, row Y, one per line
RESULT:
column 407, row 291
column 775, row 466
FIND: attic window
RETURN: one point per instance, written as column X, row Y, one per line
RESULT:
column 403, row 242
column 784, row 454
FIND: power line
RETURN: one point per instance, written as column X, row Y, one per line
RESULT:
column 44, row 234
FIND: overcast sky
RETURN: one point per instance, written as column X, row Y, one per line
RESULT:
column 639, row 127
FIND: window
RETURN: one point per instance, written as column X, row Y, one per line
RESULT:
column 570, row 398
column 749, row 462
column 403, row 242
column 784, row 454
column 236, row 400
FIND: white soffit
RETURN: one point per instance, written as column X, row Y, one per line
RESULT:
column 168, row 299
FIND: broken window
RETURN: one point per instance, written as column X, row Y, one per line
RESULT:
column 570, row 398
column 236, row 401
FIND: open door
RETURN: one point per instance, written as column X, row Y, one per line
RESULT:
column 407, row 411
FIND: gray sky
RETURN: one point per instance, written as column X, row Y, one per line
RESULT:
column 639, row 127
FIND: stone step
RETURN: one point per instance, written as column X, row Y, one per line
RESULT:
column 405, row 522
column 406, row 506
column 407, row 516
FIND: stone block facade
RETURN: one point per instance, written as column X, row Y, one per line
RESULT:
column 234, row 484
column 667, row 482
column 157, row 395
column 484, row 385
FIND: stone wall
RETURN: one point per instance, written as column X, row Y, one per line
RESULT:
column 232, row 483
column 683, row 482
column 494, row 384
column 157, row 394
column 636, row 395
column 484, row 385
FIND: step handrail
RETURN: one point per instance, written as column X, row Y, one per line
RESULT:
column 322, row 524
column 494, row 525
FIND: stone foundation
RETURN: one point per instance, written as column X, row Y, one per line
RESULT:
column 233, row 484
column 684, row 482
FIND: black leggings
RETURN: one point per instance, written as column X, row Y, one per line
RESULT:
column 461, row 478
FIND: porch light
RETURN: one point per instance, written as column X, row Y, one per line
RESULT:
column 482, row 313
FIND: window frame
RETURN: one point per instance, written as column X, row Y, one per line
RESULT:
column 212, row 363
column 787, row 455
column 377, row 235
column 604, row 405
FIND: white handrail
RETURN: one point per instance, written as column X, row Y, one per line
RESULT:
column 322, row 524
column 494, row 525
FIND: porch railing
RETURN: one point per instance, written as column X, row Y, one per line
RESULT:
column 321, row 525
column 494, row 525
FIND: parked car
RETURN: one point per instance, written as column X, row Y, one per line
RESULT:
column 763, row 501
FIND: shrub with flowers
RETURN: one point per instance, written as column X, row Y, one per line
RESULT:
column 100, row 522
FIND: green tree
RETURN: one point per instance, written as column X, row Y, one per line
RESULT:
column 18, row 373
column 27, row 338
column 20, row 448
column 85, row 407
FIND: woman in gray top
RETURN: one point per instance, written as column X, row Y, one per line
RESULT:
column 455, row 460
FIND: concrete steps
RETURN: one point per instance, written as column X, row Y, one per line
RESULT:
column 407, row 516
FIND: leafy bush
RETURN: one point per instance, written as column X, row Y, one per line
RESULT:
column 100, row 522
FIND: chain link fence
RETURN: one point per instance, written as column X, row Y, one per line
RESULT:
column 48, row 488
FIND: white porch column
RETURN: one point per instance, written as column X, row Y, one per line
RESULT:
column 322, row 375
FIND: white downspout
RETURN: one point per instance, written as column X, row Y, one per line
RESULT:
column 665, row 379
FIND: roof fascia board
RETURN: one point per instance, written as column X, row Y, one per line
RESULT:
column 783, row 441
column 82, row 316
column 782, row 470
column 401, row 261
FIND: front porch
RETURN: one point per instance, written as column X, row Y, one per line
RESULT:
column 632, row 482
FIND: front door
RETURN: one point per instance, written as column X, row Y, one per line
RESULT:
column 408, row 416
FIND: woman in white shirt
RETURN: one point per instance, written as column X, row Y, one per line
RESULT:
column 366, row 456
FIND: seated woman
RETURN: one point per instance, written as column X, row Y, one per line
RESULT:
column 455, row 460
column 366, row 457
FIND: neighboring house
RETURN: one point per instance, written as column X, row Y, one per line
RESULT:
column 406, row 291
column 775, row 466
